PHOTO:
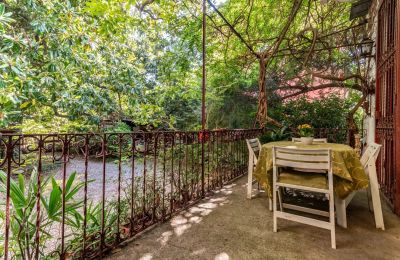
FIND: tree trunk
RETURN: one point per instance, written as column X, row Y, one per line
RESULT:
column 352, row 128
column 262, row 96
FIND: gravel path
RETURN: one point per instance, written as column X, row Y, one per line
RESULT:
column 95, row 175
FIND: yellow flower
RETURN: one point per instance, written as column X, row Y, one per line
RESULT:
column 304, row 126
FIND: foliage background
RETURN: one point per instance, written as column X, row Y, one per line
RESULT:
column 68, row 65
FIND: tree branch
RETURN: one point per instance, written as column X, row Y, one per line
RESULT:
column 335, row 78
column 141, row 6
column 233, row 29
column 305, row 89
column 295, row 9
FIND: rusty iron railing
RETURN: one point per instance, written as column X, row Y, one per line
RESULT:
column 334, row 135
column 81, row 195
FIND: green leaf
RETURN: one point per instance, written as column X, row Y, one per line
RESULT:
column 70, row 181
column 16, row 194
column 21, row 181
column 25, row 104
column 55, row 201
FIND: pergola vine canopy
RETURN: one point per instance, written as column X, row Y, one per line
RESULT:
column 295, row 43
column 82, row 62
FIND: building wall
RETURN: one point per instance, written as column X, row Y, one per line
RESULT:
column 372, row 27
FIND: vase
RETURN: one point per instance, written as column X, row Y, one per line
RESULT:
column 306, row 140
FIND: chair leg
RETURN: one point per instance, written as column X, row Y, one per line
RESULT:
column 250, row 178
column 332, row 220
column 275, row 229
column 333, row 239
column 341, row 212
column 376, row 200
column 270, row 204
column 369, row 199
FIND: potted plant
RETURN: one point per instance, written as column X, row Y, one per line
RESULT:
column 306, row 132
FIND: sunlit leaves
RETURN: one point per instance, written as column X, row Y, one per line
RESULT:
column 87, row 60
column 84, row 61
column 5, row 18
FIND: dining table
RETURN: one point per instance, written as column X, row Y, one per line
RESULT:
column 349, row 173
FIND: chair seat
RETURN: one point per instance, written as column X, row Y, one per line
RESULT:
column 306, row 179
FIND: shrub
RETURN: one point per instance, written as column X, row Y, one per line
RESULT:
column 328, row 112
column 23, row 200
column 273, row 135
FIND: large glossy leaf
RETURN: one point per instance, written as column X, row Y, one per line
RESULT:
column 55, row 201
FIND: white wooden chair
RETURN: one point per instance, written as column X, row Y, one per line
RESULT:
column 314, row 182
column 368, row 160
column 254, row 147
column 316, row 140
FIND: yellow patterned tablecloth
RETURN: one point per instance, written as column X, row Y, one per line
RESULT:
column 347, row 169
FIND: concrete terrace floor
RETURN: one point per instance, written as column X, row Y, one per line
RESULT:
column 228, row 226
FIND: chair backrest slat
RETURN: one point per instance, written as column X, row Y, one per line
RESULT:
column 320, row 140
column 295, row 150
column 315, row 159
column 315, row 140
column 301, row 157
column 254, row 146
column 302, row 165
column 370, row 153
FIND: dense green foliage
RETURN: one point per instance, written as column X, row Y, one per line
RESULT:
column 276, row 134
column 330, row 112
column 68, row 65
column 84, row 61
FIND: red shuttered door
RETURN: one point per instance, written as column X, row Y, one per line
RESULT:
column 397, row 112
column 388, row 100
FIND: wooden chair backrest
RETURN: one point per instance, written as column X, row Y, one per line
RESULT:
column 316, row 140
column 309, row 159
column 254, row 146
column 370, row 153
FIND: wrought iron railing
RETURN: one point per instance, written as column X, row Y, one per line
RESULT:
column 334, row 135
column 81, row 195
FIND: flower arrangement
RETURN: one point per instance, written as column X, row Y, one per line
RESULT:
column 306, row 130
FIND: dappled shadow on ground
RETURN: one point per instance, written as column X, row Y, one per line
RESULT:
column 184, row 221
column 228, row 226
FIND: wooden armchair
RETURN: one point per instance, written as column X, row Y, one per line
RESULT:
column 368, row 160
